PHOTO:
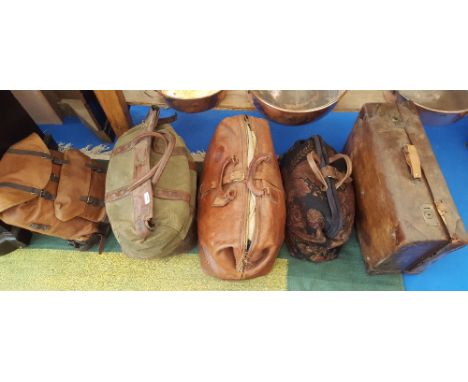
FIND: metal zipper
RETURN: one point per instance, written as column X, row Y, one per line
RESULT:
column 250, row 196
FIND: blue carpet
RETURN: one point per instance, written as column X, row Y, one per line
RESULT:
column 448, row 142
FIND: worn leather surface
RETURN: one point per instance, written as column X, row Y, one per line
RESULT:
column 238, row 182
column 404, row 222
column 155, row 218
column 308, row 210
column 63, row 215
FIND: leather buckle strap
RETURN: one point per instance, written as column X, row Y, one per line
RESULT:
column 39, row 154
column 35, row 191
column 39, row 227
column 54, row 178
column 58, row 161
column 43, row 194
column 96, row 168
column 92, row 201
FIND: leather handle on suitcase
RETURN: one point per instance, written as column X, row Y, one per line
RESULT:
column 223, row 197
column 251, row 173
column 413, row 161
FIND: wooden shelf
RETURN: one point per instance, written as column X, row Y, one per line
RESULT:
column 239, row 99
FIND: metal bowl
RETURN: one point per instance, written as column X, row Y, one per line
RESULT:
column 438, row 107
column 295, row 107
column 192, row 101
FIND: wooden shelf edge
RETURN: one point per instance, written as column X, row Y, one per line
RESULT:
column 239, row 99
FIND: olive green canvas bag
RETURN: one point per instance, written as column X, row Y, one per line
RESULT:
column 151, row 190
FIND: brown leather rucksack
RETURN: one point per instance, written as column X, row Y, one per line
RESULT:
column 53, row 193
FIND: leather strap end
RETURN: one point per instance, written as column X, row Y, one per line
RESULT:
column 413, row 161
column 221, row 201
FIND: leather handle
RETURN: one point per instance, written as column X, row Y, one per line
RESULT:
column 251, row 172
column 156, row 171
column 349, row 167
column 320, row 173
column 222, row 198
column 413, row 161
column 312, row 160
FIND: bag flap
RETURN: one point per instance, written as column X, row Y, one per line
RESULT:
column 25, row 170
column 94, row 207
column 74, row 183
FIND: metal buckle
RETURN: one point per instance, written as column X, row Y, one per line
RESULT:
column 92, row 201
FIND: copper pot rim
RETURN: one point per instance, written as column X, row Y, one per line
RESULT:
column 214, row 94
column 428, row 108
column 340, row 94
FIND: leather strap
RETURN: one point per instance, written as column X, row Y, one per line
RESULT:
column 330, row 171
column 251, row 173
column 312, row 161
column 222, row 197
column 54, row 178
column 413, row 161
column 151, row 127
column 36, row 191
column 39, row 227
column 96, row 168
column 39, row 154
column 143, row 196
column 162, row 193
column 144, row 176
column 92, row 201
column 349, row 168
column 154, row 173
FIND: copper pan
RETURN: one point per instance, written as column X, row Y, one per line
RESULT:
column 435, row 107
column 295, row 107
column 192, row 101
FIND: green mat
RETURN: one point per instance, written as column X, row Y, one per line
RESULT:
column 51, row 264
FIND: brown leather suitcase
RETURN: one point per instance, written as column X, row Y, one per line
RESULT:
column 242, row 211
column 406, row 217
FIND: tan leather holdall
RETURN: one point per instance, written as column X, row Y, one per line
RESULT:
column 406, row 217
column 151, row 190
column 53, row 193
column 241, row 201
